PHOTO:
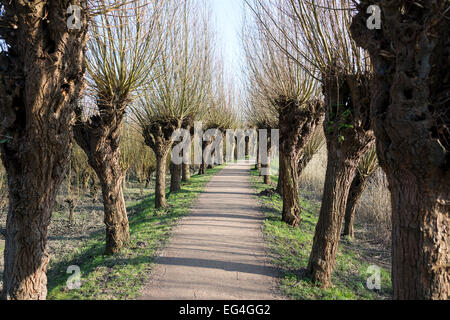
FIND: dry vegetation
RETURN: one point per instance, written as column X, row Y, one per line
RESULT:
column 373, row 213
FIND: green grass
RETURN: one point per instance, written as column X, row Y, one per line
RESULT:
column 122, row 276
column 290, row 248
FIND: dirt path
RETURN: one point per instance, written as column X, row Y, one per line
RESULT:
column 217, row 252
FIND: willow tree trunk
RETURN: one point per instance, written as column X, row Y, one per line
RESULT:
column 41, row 76
column 99, row 137
column 280, row 177
column 202, row 169
column 175, row 177
column 266, row 167
column 247, row 147
column 258, row 160
column 348, row 136
column 116, row 220
column 160, row 183
column 188, row 125
column 212, row 165
column 411, row 120
column 186, row 172
column 258, row 165
column 236, row 149
column 204, row 165
column 305, row 159
column 157, row 136
column 357, row 188
column 297, row 125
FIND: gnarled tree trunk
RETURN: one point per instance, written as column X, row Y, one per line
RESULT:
column 160, row 184
column 247, row 147
column 186, row 172
column 99, row 137
column 41, row 76
column 258, row 160
column 348, row 136
column 280, row 177
column 204, row 166
column 297, row 125
column 187, row 124
column 357, row 188
column 411, row 119
column 175, row 177
column 158, row 137
column 303, row 162
column 267, row 177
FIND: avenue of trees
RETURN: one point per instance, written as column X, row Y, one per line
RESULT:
column 103, row 100
column 386, row 87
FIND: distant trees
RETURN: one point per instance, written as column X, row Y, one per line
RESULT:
column 180, row 88
column 410, row 113
column 41, row 77
column 291, row 91
column 262, row 117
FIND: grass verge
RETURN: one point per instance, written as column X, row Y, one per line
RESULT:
column 122, row 276
column 290, row 248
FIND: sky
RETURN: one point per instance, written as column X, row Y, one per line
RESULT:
column 228, row 15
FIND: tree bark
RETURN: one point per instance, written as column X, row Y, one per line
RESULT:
column 116, row 219
column 267, row 177
column 357, row 188
column 213, row 156
column 258, row 160
column 280, row 177
column 187, row 124
column 204, row 166
column 99, row 137
column 160, row 185
column 305, row 159
column 411, row 120
column 348, row 136
column 247, row 147
column 186, row 172
column 41, row 76
column 158, row 136
column 175, row 177
column 202, row 169
column 297, row 125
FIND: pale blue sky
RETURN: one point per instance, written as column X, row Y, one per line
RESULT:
column 228, row 15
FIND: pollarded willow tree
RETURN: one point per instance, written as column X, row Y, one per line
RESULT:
column 179, row 89
column 122, row 50
column 220, row 114
column 321, row 36
column 292, row 92
column 410, row 111
column 41, row 76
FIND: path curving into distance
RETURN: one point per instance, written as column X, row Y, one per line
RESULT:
column 217, row 252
